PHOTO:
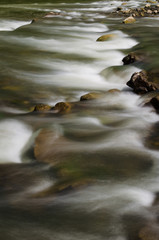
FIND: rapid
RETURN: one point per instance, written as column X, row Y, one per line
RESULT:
column 83, row 174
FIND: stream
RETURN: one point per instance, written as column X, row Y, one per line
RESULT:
column 87, row 173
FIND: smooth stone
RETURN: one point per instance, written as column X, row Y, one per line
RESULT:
column 106, row 37
column 129, row 20
column 63, row 107
column 91, row 96
column 114, row 90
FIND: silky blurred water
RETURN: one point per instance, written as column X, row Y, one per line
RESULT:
column 75, row 175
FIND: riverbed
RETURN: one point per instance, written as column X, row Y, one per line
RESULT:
column 78, row 174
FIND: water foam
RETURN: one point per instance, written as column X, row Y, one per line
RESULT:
column 13, row 137
column 10, row 25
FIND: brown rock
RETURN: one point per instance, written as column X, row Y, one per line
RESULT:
column 155, row 103
column 134, row 57
column 42, row 108
column 105, row 37
column 139, row 83
column 90, row 96
column 130, row 58
column 129, row 20
column 114, row 90
column 63, row 107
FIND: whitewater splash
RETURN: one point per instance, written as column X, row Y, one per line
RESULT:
column 13, row 137
column 11, row 25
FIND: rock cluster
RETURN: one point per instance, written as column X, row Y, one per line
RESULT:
column 147, row 10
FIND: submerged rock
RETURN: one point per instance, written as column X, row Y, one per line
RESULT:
column 74, row 160
column 129, row 20
column 140, row 84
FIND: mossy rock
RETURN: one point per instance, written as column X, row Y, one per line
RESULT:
column 42, row 108
column 63, row 107
column 106, row 37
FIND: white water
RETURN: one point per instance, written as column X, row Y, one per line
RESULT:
column 10, row 25
column 14, row 135
column 44, row 58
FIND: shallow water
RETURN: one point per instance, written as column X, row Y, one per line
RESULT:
column 73, row 175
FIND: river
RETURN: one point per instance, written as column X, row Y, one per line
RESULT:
column 80, row 174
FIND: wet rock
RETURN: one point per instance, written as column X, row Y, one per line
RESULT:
column 42, row 108
column 147, row 10
column 91, row 96
column 155, row 103
column 105, row 37
column 129, row 20
column 63, row 107
column 140, row 84
column 131, row 58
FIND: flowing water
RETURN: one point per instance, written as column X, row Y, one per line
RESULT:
column 92, row 166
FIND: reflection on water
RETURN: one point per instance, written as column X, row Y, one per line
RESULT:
column 79, row 173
